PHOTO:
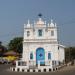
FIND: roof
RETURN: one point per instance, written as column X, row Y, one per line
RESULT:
column 61, row 45
column 11, row 53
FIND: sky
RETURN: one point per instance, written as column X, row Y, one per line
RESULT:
column 14, row 13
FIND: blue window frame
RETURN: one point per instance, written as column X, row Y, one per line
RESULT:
column 31, row 55
column 49, row 55
column 40, row 32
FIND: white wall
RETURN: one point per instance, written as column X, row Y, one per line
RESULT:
column 48, row 42
column 53, row 48
column 61, row 54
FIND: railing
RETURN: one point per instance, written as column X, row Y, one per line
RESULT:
column 47, row 62
column 21, row 63
column 32, row 63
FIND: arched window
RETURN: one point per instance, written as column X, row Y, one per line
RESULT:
column 28, row 33
column 52, row 33
column 40, row 32
column 31, row 55
column 49, row 55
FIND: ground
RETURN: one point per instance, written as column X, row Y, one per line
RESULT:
column 70, row 70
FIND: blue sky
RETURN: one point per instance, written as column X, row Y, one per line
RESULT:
column 14, row 13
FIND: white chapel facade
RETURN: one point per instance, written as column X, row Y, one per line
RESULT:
column 40, row 45
column 41, row 42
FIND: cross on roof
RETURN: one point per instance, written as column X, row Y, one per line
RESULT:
column 39, row 14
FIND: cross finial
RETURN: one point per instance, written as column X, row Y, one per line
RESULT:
column 39, row 14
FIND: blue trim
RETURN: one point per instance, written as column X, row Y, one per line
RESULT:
column 31, row 55
column 40, row 55
column 49, row 55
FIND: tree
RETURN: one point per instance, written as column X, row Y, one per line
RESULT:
column 16, row 44
column 3, row 49
column 69, row 54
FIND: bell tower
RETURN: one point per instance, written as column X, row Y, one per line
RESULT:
column 52, row 31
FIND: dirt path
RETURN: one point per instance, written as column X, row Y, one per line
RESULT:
column 67, row 68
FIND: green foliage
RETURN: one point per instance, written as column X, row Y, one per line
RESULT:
column 16, row 44
column 69, row 54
